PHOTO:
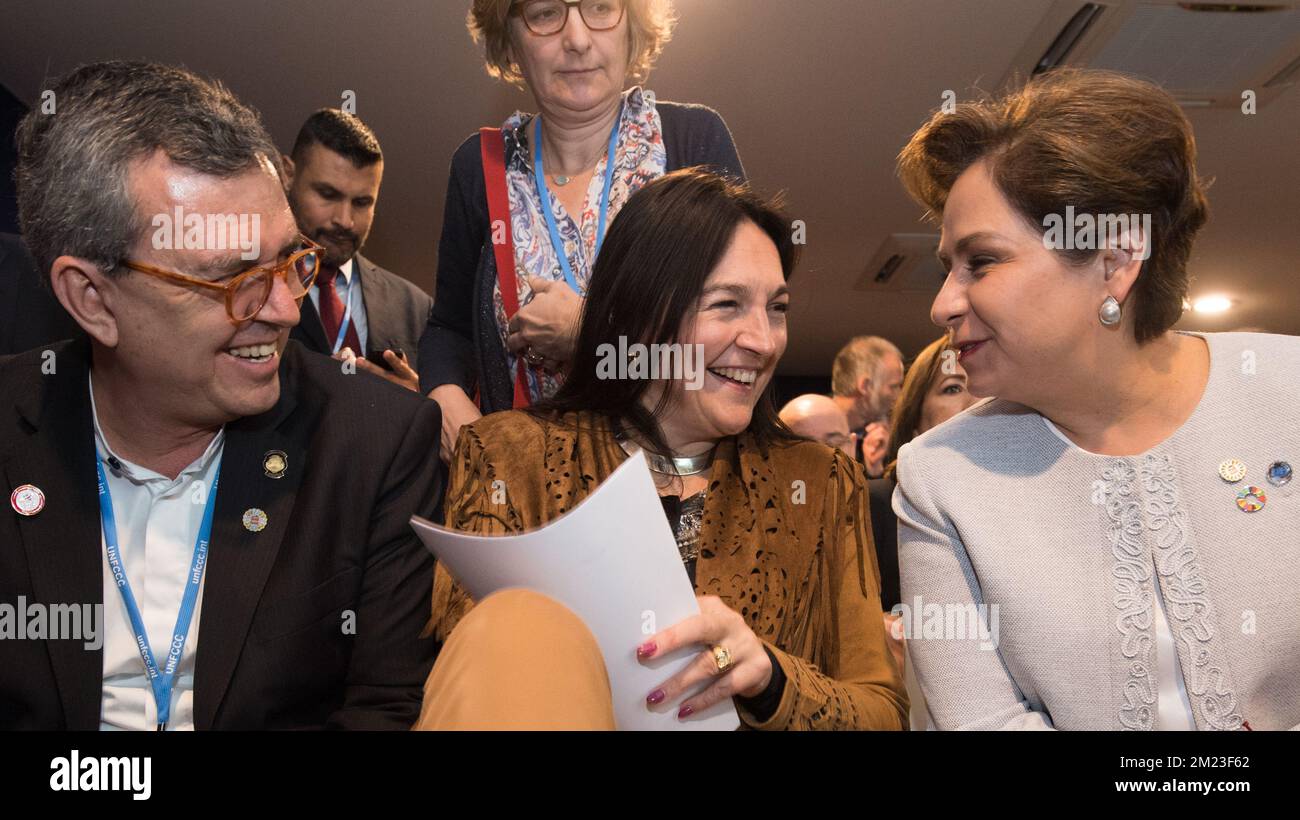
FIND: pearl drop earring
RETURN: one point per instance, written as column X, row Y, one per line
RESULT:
column 1110, row 312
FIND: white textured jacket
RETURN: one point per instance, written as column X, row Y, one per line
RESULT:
column 1063, row 549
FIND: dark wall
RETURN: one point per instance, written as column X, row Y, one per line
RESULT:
column 789, row 387
column 11, row 111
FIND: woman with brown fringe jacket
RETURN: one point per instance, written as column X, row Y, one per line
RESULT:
column 773, row 531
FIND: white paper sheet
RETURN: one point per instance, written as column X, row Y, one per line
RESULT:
column 614, row 562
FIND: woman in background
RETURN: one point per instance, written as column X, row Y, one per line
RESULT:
column 564, row 173
column 934, row 390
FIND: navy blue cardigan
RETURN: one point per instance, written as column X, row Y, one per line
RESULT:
column 461, row 344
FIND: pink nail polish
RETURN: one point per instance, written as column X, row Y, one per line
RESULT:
column 646, row 649
column 656, row 696
column 685, row 712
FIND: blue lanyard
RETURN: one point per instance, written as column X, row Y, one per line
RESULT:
column 159, row 679
column 343, row 326
column 548, row 207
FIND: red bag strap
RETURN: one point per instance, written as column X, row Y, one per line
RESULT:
column 493, row 146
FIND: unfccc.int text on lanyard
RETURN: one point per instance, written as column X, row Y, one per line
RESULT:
column 160, row 680
column 549, row 206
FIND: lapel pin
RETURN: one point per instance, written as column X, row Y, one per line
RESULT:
column 1279, row 473
column 1232, row 471
column 27, row 500
column 275, row 463
column 254, row 519
column 1251, row 499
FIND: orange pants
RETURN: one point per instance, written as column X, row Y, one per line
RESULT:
column 518, row 660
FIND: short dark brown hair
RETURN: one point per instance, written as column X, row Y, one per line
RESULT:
column 1100, row 141
column 340, row 132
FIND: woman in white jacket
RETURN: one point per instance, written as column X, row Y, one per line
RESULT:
column 1112, row 542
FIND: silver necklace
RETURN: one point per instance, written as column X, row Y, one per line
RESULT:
column 676, row 465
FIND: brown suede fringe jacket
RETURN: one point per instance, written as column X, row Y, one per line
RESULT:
column 785, row 541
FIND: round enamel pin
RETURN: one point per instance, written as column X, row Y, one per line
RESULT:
column 1279, row 473
column 254, row 520
column 1251, row 499
column 27, row 500
column 275, row 463
column 1232, row 471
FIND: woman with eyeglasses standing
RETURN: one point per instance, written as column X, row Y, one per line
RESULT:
column 528, row 203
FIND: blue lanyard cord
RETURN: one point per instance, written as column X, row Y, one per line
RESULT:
column 548, row 206
column 343, row 326
column 160, row 680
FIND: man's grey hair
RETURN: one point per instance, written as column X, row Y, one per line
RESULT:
column 73, row 191
column 862, row 356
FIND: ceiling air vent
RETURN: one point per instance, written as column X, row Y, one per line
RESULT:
column 1208, row 55
column 1069, row 37
column 905, row 263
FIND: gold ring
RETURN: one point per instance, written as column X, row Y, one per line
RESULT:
column 722, row 658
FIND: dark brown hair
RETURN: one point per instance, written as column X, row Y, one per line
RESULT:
column 1101, row 141
column 340, row 132
column 652, row 267
column 906, row 416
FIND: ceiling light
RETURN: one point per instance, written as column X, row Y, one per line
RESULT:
column 1212, row 304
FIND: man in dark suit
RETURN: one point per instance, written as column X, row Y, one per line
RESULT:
column 187, row 462
column 334, row 173
column 30, row 316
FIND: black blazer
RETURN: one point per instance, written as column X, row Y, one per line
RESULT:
column 396, row 313
column 30, row 316
column 272, row 653
column 884, row 531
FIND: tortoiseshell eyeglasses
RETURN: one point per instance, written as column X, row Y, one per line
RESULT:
column 247, row 293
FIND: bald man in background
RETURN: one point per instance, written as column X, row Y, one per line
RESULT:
column 819, row 418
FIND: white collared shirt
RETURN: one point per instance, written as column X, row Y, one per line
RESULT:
column 1173, row 707
column 158, row 522
column 343, row 286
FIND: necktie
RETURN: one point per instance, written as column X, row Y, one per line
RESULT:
column 331, row 313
